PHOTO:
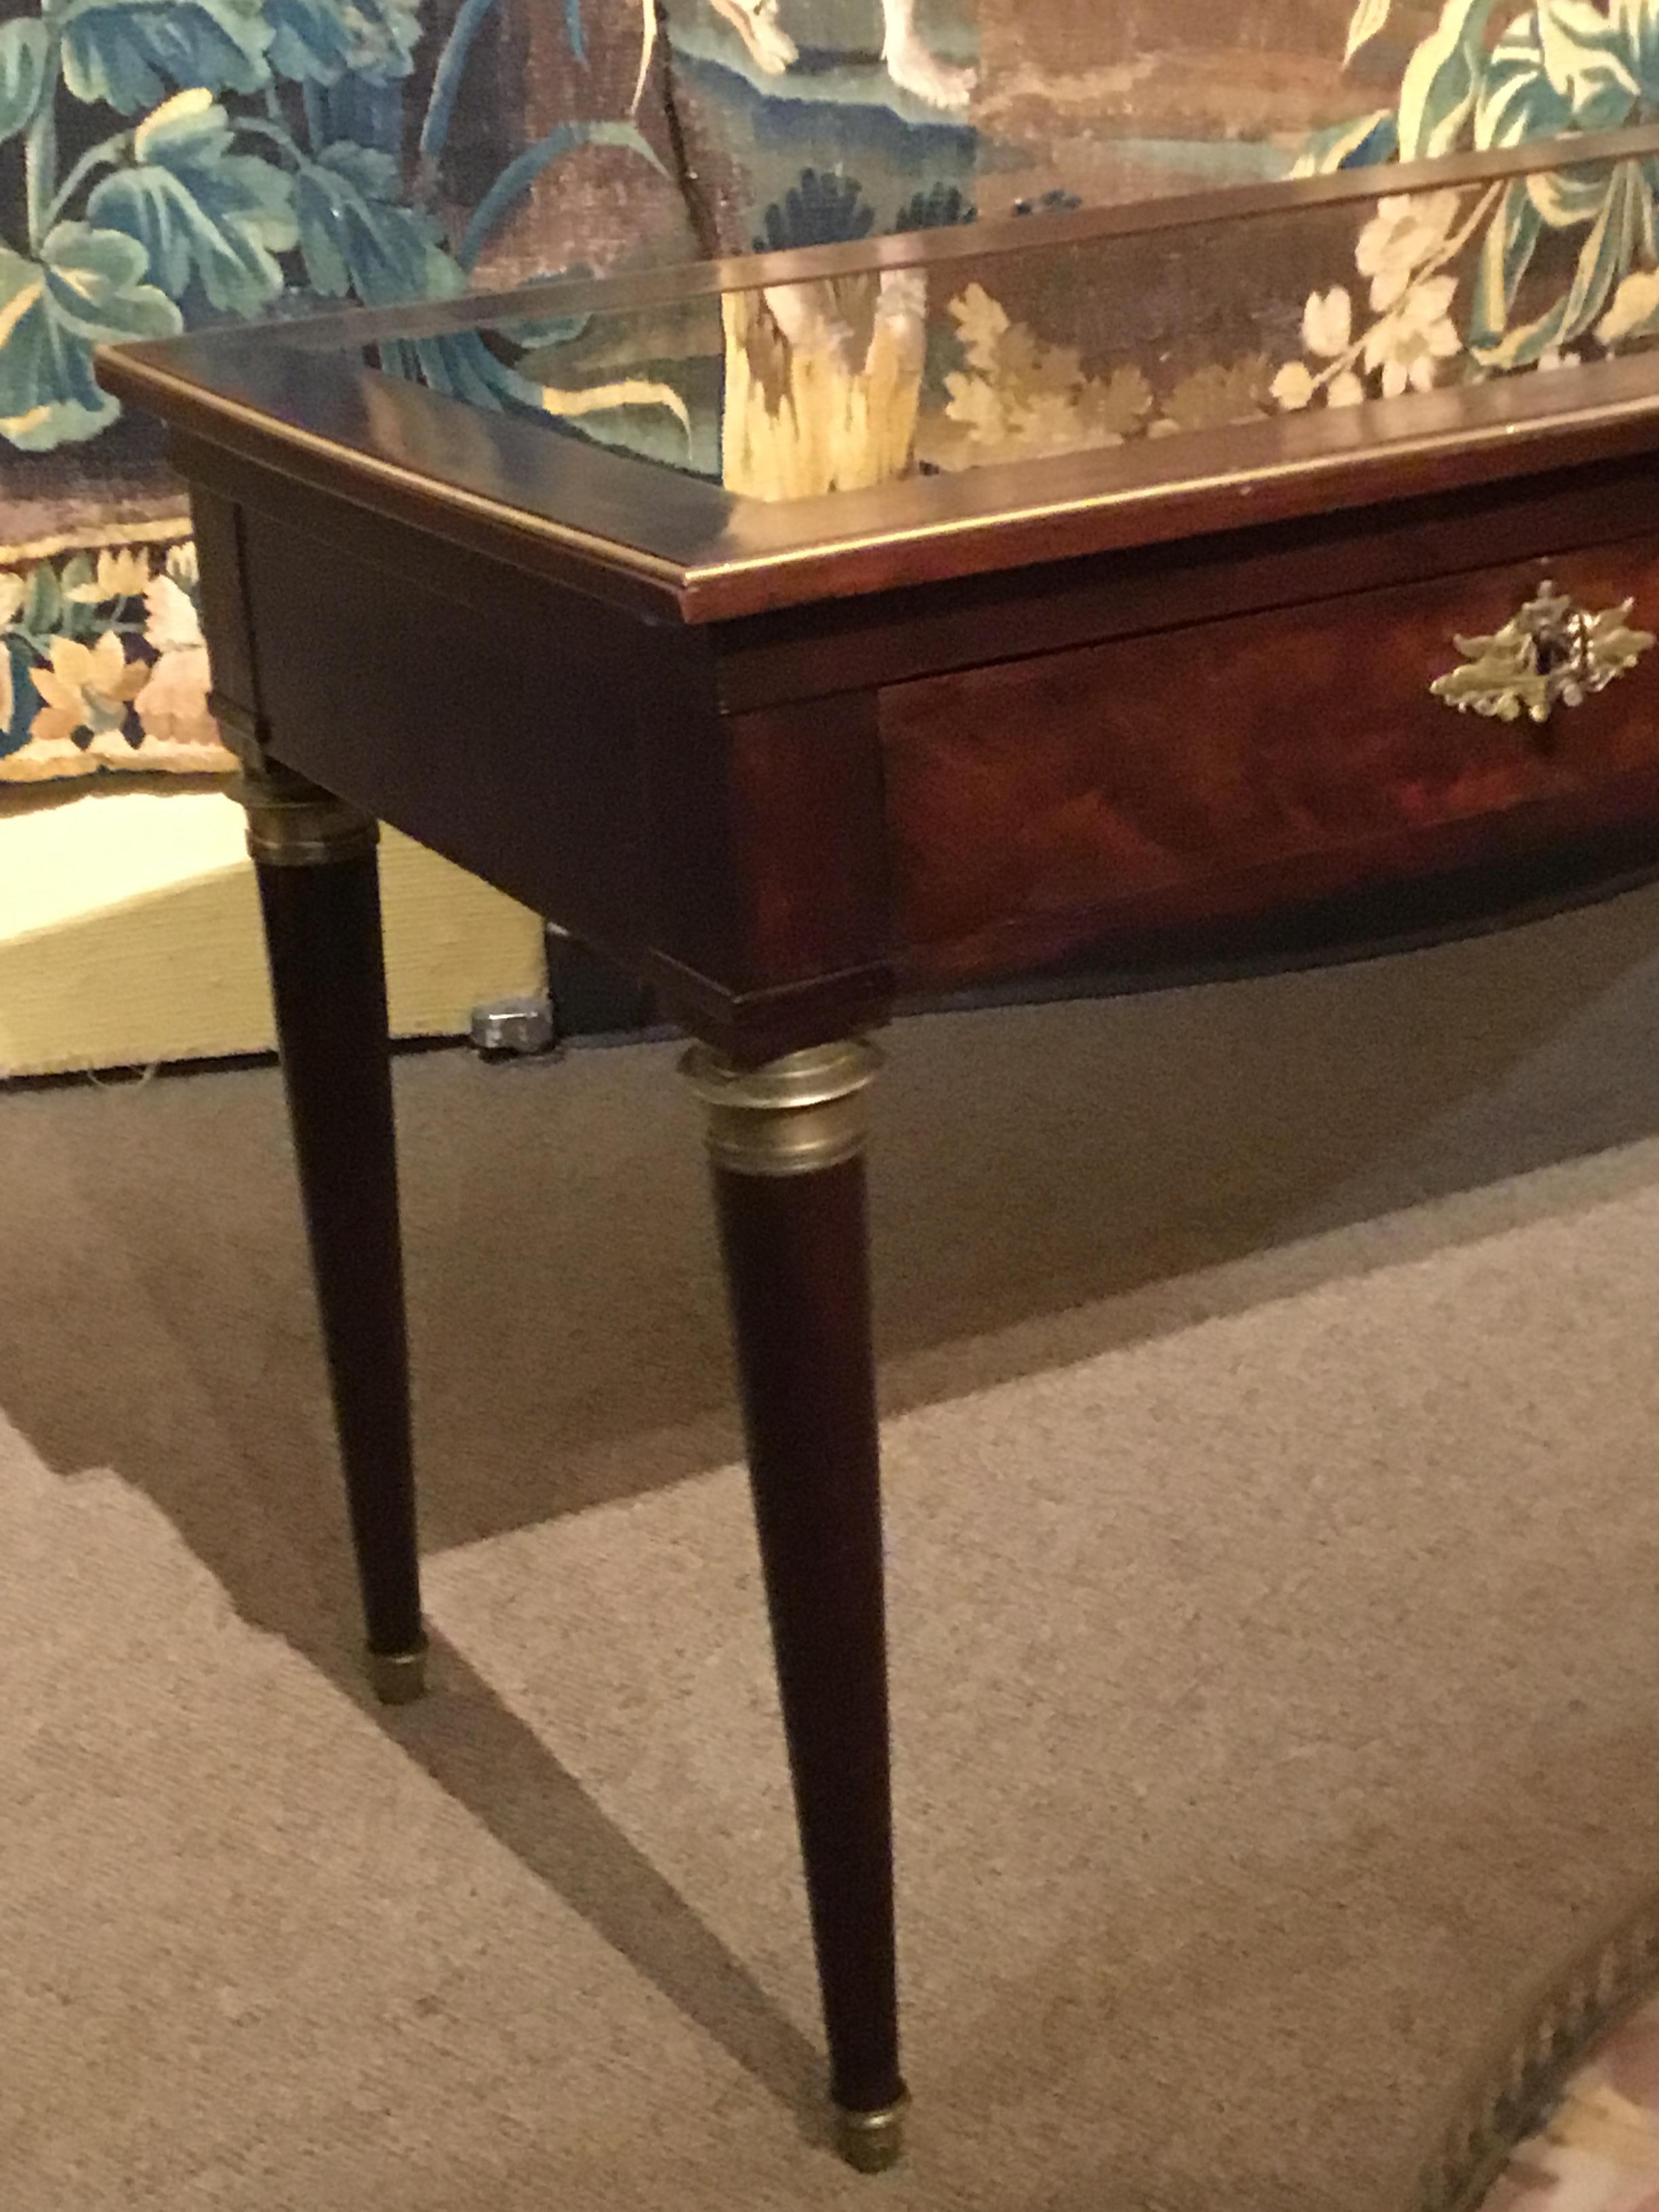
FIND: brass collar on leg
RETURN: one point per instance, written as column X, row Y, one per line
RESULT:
column 793, row 1116
column 292, row 823
column 398, row 1678
column 873, row 2142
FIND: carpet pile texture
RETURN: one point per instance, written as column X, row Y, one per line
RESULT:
column 1271, row 1427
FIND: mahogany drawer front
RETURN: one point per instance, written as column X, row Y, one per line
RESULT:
column 1039, row 807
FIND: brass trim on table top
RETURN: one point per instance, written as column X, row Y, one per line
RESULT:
column 1142, row 493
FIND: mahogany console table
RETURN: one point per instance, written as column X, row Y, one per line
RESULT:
column 793, row 708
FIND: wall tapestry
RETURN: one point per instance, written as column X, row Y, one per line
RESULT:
column 167, row 163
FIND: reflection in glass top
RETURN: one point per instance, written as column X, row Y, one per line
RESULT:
column 1063, row 345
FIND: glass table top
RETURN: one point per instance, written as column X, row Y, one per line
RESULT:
column 1299, row 341
column 964, row 345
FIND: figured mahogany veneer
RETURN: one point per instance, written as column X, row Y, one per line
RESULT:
column 1221, row 769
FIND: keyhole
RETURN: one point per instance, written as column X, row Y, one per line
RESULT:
column 1566, row 648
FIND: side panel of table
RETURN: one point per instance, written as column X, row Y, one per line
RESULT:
column 572, row 753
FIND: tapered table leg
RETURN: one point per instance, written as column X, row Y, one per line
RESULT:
column 319, row 894
column 787, row 1142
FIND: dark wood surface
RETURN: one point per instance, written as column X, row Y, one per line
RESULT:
column 790, row 806
column 1172, row 747
column 795, row 1250
column 792, row 653
column 523, row 765
column 323, row 931
column 1217, row 771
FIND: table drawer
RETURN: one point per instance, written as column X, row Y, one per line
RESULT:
column 1208, row 775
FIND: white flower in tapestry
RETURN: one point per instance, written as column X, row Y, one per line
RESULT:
column 86, row 687
column 910, row 60
column 173, row 706
column 101, row 659
column 1534, row 274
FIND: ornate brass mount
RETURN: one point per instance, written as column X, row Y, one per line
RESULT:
column 1554, row 653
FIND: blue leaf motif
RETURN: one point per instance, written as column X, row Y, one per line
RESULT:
column 1518, row 101
column 1381, row 143
column 1566, row 198
column 24, row 699
column 354, row 239
column 1506, row 254
column 516, row 178
column 1357, row 145
column 1605, row 252
column 188, row 131
column 1637, row 22
column 43, row 602
column 546, row 329
column 95, row 283
column 371, row 171
column 1437, row 93
column 200, row 212
column 320, row 42
column 820, row 210
column 446, row 79
column 25, row 53
column 87, row 289
column 310, row 41
column 462, row 366
column 131, row 53
column 1585, row 62
column 946, row 207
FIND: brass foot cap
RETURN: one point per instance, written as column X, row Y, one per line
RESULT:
column 398, row 1678
column 872, row 2142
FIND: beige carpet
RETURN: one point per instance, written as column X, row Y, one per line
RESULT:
column 1274, row 1550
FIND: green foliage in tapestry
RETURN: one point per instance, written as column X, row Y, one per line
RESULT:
column 1564, row 258
column 224, row 180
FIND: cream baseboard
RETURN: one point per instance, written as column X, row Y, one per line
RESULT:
column 130, row 932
